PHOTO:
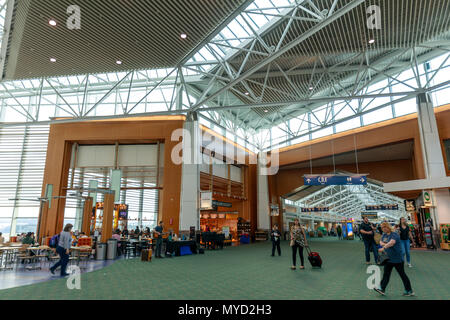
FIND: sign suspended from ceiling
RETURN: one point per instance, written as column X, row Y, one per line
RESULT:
column 369, row 215
column 316, row 209
column 206, row 200
column 382, row 207
column 334, row 180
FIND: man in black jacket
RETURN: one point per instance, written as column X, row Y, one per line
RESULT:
column 368, row 231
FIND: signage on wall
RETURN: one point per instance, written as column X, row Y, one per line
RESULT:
column 274, row 210
column 221, row 204
column 328, row 180
column 382, row 207
column 316, row 209
column 206, row 201
column 410, row 205
column 369, row 215
column 427, row 202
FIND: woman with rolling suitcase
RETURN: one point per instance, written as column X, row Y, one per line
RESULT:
column 298, row 240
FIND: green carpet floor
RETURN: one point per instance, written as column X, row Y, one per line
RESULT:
column 249, row 272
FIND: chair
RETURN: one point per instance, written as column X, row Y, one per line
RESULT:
column 23, row 256
column 130, row 247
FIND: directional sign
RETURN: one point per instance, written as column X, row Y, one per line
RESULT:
column 222, row 204
column 382, row 207
column 370, row 215
column 328, row 180
column 316, row 209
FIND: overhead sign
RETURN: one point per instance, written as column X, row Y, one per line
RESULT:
column 222, row 204
column 382, row 207
column 427, row 202
column 369, row 215
column 328, row 180
column 316, row 209
column 410, row 205
column 206, row 200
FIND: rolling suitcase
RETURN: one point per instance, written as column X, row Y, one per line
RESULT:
column 314, row 258
column 146, row 255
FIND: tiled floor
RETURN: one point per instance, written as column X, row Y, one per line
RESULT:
column 21, row 276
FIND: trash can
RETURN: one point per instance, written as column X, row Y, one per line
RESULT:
column 101, row 251
column 112, row 249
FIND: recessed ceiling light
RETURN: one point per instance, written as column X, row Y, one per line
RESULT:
column 183, row 36
column 52, row 22
column 372, row 41
column 266, row 111
column 247, row 93
column 119, row 62
column 52, row 60
column 311, row 88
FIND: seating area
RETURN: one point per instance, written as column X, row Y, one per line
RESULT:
column 18, row 256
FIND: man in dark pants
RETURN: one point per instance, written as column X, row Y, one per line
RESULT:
column 276, row 239
column 159, row 239
column 368, row 232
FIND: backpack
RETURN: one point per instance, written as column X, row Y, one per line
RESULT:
column 54, row 241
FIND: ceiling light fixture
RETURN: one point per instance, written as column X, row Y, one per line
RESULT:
column 266, row 111
column 311, row 88
column 52, row 60
column 52, row 22
column 183, row 36
column 119, row 62
column 372, row 41
column 247, row 93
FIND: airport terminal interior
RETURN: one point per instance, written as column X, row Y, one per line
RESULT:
column 224, row 150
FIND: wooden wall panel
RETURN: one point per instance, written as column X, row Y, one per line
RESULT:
column 62, row 136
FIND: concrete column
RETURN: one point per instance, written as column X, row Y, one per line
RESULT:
column 433, row 158
column 190, row 178
column 263, row 198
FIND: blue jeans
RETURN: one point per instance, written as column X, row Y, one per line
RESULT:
column 370, row 245
column 63, row 261
column 405, row 248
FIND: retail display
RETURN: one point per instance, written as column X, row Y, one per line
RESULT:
column 443, row 228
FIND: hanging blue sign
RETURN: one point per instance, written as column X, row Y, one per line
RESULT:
column 382, row 207
column 328, row 180
column 316, row 209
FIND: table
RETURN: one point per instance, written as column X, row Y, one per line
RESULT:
column 7, row 256
column 174, row 246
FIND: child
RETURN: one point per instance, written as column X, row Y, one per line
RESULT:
column 276, row 239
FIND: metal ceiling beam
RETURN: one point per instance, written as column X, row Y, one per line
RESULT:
column 322, row 24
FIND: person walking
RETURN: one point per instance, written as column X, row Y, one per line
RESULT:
column 275, row 236
column 298, row 240
column 368, row 233
column 391, row 245
column 339, row 231
column 405, row 239
column 63, row 248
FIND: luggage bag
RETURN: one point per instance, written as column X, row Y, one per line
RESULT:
column 314, row 258
column 146, row 255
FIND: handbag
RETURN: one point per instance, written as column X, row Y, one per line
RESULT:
column 383, row 258
column 377, row 238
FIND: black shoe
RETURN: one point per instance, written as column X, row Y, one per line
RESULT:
column 52, row 270
column 380, row 291
column 65, row 275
